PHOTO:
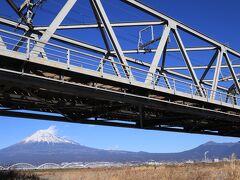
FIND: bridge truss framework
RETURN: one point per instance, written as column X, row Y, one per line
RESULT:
column 42, row 70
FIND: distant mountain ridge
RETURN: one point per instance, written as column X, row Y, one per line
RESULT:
column 45, row 146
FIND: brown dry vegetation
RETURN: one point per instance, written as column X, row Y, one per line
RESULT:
column 17, row 175
column 219, row 171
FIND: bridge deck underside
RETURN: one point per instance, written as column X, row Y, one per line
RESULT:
column 80, row 98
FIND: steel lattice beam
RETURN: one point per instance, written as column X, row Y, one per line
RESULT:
column 159, row 93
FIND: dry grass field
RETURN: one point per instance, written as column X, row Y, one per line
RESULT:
column 213, row 171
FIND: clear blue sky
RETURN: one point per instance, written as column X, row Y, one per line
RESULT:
column 218, row 19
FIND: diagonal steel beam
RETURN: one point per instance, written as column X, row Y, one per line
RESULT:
column 229, row 63
column 100, row 27
column 187, row 61
column 2, row 44
column 42, row 51
column 54, row 25
column 24, row 5
column 158, row 54
column 209, row 66
column 112, row 37
column 216, row 74
column 102, row 62
column 22, row 40
column 164, row 57
column 19, row 13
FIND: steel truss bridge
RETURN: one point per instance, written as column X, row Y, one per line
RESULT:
column 181, row 81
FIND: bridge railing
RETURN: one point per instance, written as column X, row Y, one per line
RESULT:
column 72, row 57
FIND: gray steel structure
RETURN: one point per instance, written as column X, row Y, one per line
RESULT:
column 42, row 70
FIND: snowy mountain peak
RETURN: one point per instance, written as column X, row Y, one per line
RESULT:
column 47, row 136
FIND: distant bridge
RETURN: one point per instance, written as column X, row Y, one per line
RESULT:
column 27, row 166
column 180, row 80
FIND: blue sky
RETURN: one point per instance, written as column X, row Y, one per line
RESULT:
column 218, row 19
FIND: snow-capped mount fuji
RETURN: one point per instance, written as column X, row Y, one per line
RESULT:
column 47, row 136
column 45, row 146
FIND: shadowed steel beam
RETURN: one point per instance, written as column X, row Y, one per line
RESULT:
column 209, row 66
column 100, row 27
column 54, row 25
column 112, row 37
column 187, row 61
column 162, row 67
column 19, row 13
column 229, row 63
column 216, row 74
column 22, row 40
column 88, row 26
column 158, row 54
